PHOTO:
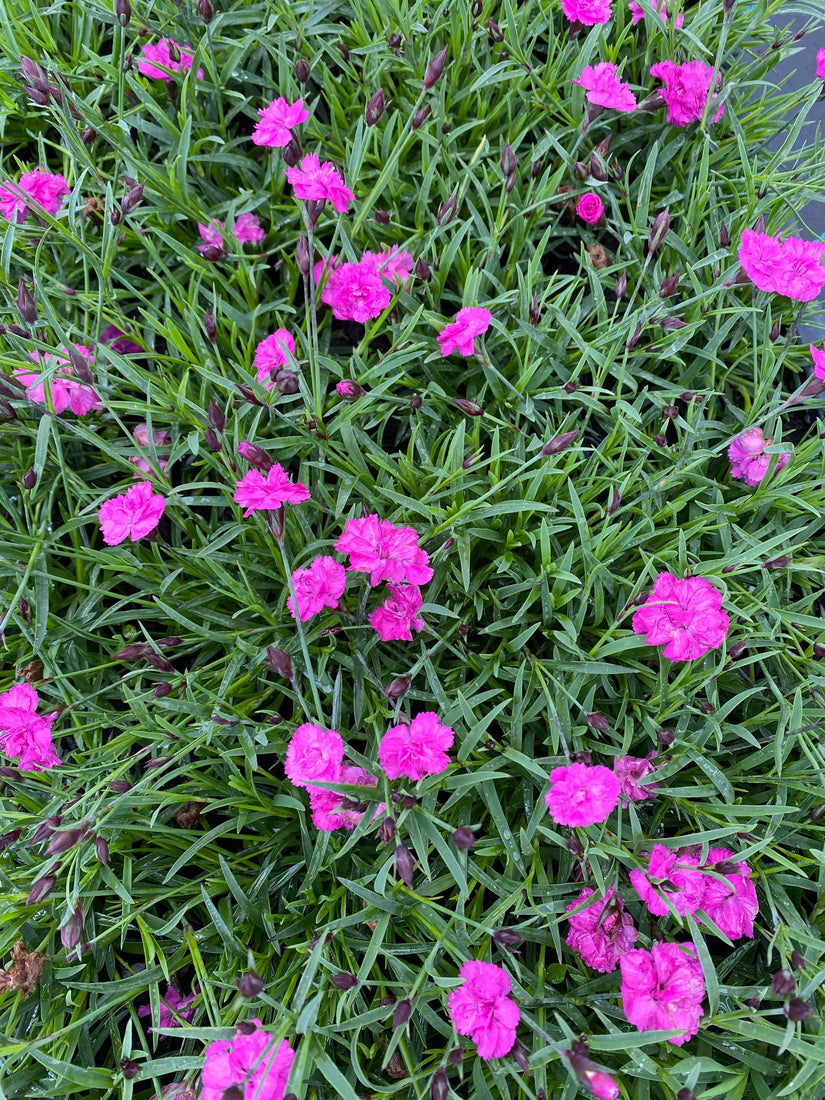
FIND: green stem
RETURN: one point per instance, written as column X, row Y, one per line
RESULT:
column 301, row 637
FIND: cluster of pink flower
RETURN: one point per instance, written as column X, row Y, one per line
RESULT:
column 585, row 794
column 247, row 1067
column 247, row 229
column 24, row 733
column 67, row 392
column 749, row 461
column 591, row 13
column 686, row 89
column 792, row 267
column 37, row 189
column 166, row 58
column 360, row 292
column 684, row 613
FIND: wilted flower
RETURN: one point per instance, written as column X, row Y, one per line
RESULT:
column 481, row 1008
column 23, row 732
column 602, row 932
column 133, row 514
column 663, row 988
column 274, row 128
column 684, row 613
column 748, row 459
column 581, row 794
column 160, row 53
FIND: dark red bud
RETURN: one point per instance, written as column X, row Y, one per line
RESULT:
column 7, row 839
column 64, row 840
column 128, row 1068
column 212, row 253
column 456, row 1057
column 280, row 661
column 26, row 305
column 671, row 324
column 615, row 502
column 534, row 313
column 435, row 68
column 634, row 339
column 439, row 1086
column 401, row 1013
column 685, row 1094
column 669, row 286
column 210, row 327
column 398, row 687
column 422, row 269
column 597, row 721
column 597, row 168
column 386, row 830
column 301, row 70
column 404, row 865
column 158, row 662
column 382, row 217
column 724, row 236
column 206, row 10
column 559, row 443
column 343, row 51
column 344, row 981
column 216, row 416
column 420, row 117
column 120, row 786
column 123, row 11
column 581, row 171
column 464, row 838
column 286, row 381
column 575, row 847
column 29, row 479
column 520, row 1056
column 250, row 985
column 162, row 689
column 797, row 1010
column 376, row 104
column 132, row 652
column 416, row 401
column 659, row 230
column 102, row 850
column 132, row 198
column 292, row 153
column 736, row 650
column 781, row 562
column 72, row 931
column 783, row 983
column 508, row 162
column 471, row 408
column 447, row 210
column 759, row 224
column 394, row 41
column 508, row 939
column 41, row 889
column 797, row 961
column 115, row 217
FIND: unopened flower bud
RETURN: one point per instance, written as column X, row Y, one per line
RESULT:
column 471, row 408
column 64, row 840
column 210, row 328
column 534, row 313
column 286, row 381
column 776, row 332
column 404, row 865
column 41, row 889
column 398, row 687
column 292, row 152
column 782, row 562
column 659, row 230
column 250, row 985
column 401, row 1013
column 615, row 501
column 440, row 1086
column 102, row 850
column 29, row 479
column 216, row 416
column 416, row 401
column 420, row 117
column 597, row 721
column 621, row 286
column 376, row 105
column 671, row 324
column 128, row 1068
column 123, row 11
column 349, row 390
column 520, row 1056
column 724, row 236
column 816, row 811
column 213, row 253
column 279, row 660
column 72, row 931
column 669, row 286
column 344, row 981
column 343, row 51
column 88, row 136
column 634, row 339
column 536, row 169
column 26, row 306
column 382, row 217
column 435, row 68
column 162, row 689
column 422, row 269
column 797, row 1010
column 581, row 171
column 685, row 1094
column 132, row 198
column 464, row 838
column 797, row 961
column 394, row 41
column 447, row 210
column 386, row 830
column 783, row 983
column 206, row 10
column 590, row 1076
column 301, row 70
column 597, row 168
column 508, row 939
column 558, row 443
column 212, row 439
column 575, row 847
column 508, row 161
column 759, row 224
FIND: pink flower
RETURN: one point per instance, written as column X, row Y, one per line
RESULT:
column 582, row 794
column 731, row 902
column 679, row 872
column 173, row 1008
column 602, row 932
column 168, row 54
column 386, row 552
column 587, row 12
column 248, row 230
column 141, row 437
column 271, row 355
column 119, row 341
column 319, row 586
column 460, row 335
column 599, row 1083
column 792, row 267
column 266, row 493
column 590, row 208
column 313, row 755
column 686, row 614
column 686, row 90
column 637, row 14
column 133, row 514
column 316, row 181
column 480, row 1007
column 67, row 393
column 328, row 809
column 324, row 266
column 395, row 618
column 820, row 63
column 663, row 988
column 355, row 292
column 629, row 770
column 417, row 749
column 748, row 459
column 40, row 187
column 277, row 121
column 602, row 86
column 818, row 355
column 395, row 265
column 251, row 1062
column 24, row 732
column 211, row 235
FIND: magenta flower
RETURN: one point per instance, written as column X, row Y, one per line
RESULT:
column 820, row 63
column 141, row 437
column 133, row 514
column 355, row 292
column 686, row 90
column 250, row 1062
column 313, row 755
column 211, row 235
column 602, row 932
column 271, row 355
column 24, row 733
column 248, row 229
column 587, row 12
column 329, row 811
column 277, row 122
column 590, row 1076
column 818, row 356
column 119, row 341
column 386, row 552
column 672, row 875
column 590, row 208
column 603, row 87
column 259, row 492
column 173, row 1008
column 172, row 57
column 39, row 187
column 731, row 901
column 637, row 14
column 395, row 265
column 315, row 181
column 417, row 749
column 481, row 1008
column 684, row 613
column 323, row 266
column 663, row 988
column 582, row 794
column 319, row 586
column 67, row 393
column 792, row 267
column 460, row 335
column 629, row 770
column 748, row 459
column 396, row 617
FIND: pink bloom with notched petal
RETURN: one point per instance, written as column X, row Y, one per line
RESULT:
column 386, row 552
column 417, row 749
column 820, row 63
column 24, row 733
column 248, row 229
column 67, row 393
column 680, row 872
column 173, row 1008
column 730, row 902
column 602, row 932
column 685, row 614
column 395, row 265
column 582, row 794
column 141, row 437
column 748, row 459
column 133, row 514
column 460, row 334
column 481, row 1008
column 629, row 770
column 315, row 181
column 818, row 356
column 324, row 266
column 587, row 12
column 211, row 235
column 686, row 90
column 328, row 809
column 160, row 53
column 590, row 208
column 355, row 292
column 396, row 617
column 259, row 492
column 603, row 87
column 637, row 14
column 319, row 586
column 252, row 1063
column 663, row 988
column 271, row 355
column 313, row 755
column 792, row 267
column 40, row 187
column 277, row 121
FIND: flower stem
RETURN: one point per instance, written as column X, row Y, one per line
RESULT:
column 310, row 673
